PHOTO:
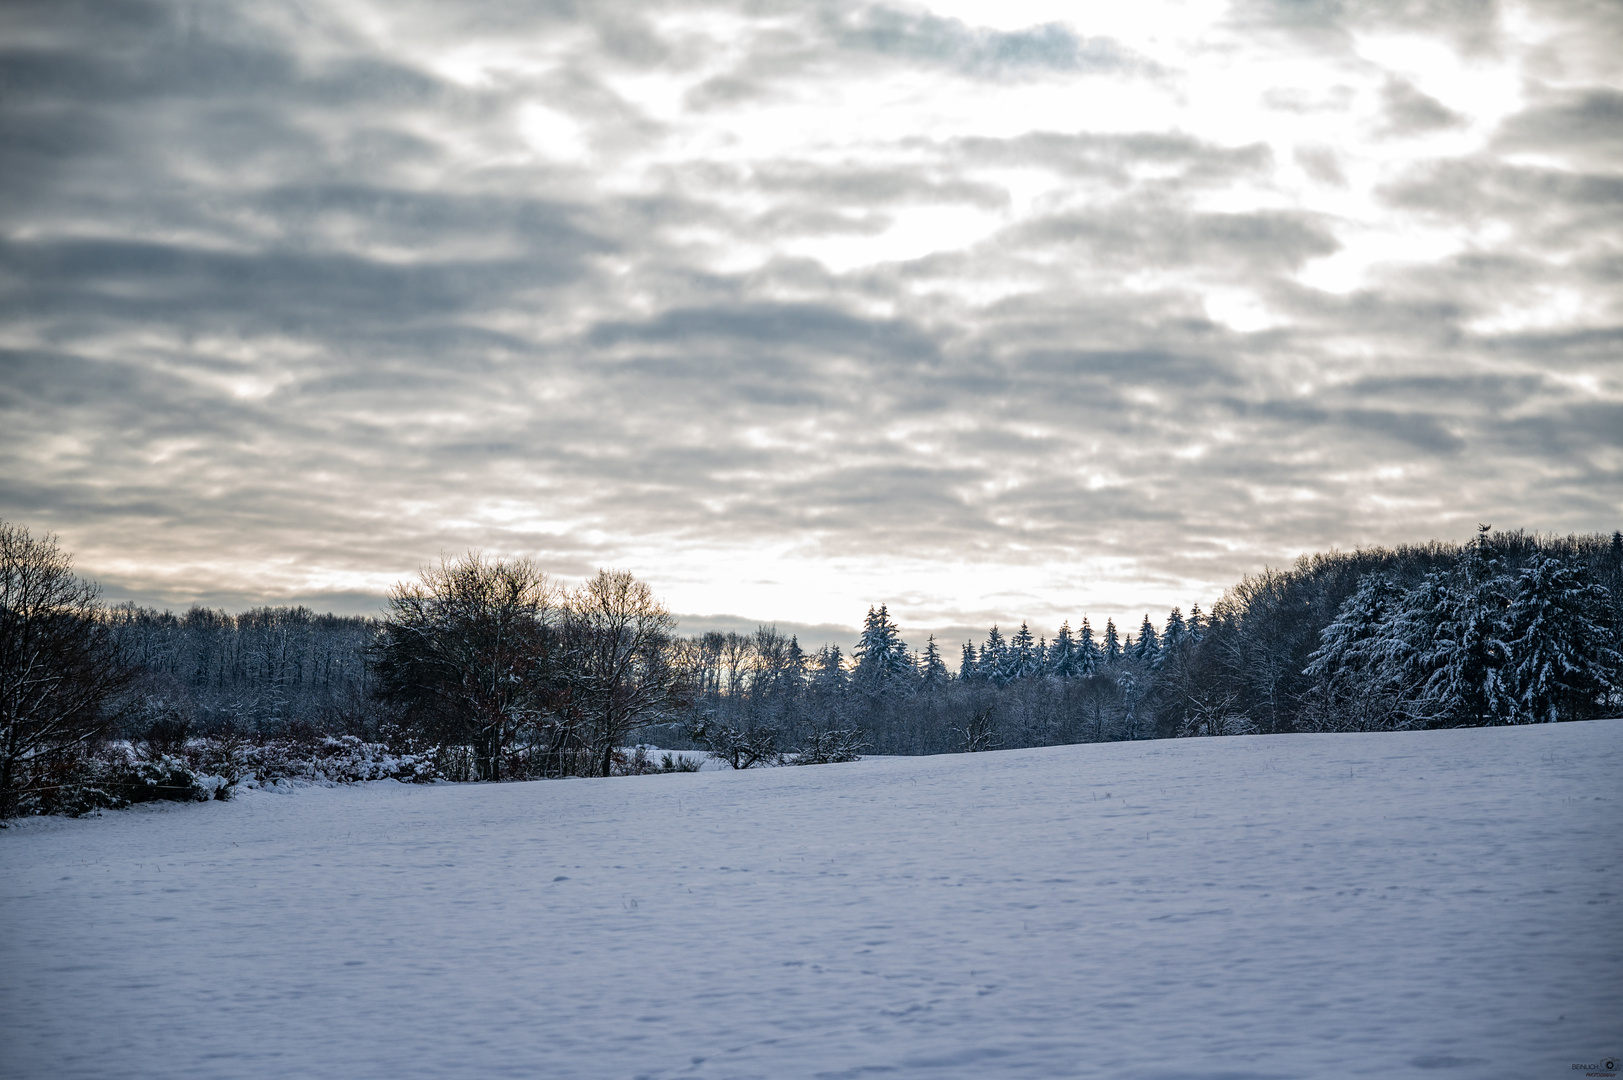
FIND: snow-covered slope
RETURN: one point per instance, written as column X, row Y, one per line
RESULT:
column 1423, row 904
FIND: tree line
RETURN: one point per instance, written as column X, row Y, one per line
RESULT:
column 1509, row 628
column 491, row 670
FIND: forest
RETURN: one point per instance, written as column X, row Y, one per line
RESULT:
column 489, row 669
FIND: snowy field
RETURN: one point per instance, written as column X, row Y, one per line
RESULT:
column 1435, row 904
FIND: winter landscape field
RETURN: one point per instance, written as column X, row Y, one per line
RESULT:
column 1441, row 903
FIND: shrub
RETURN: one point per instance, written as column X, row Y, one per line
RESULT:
column 825, row 747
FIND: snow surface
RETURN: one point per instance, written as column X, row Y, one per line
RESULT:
column 1417, row 904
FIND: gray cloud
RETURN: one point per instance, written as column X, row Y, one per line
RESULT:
column 1587, row 122
column 284, row 314
column 1471, row 25
column 1411, row 112
column 921, row 37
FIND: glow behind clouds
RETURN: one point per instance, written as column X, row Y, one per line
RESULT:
column 988, row 312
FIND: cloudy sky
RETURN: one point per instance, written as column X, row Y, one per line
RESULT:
column 988, row 311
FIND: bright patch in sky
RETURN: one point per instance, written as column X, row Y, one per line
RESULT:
column 551, row 133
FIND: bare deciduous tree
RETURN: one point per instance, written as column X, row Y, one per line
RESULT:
column 471, row 652
column 59, row 661
column 620, row 638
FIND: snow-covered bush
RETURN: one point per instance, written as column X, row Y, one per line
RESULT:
column 344, row 759
column 741, row 748
column 825, row 746
column 639, row 761
column 121, row 773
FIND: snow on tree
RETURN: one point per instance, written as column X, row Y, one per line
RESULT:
column 1434, row 648
column 1088, row 656
column 1469, row 683
column 1471, row 644
column 1354, row 640
column 1197, row 624
column 1147, row 645
column 1563, row 666
column 881, row 654
column 1358, row 685
column 1023, row 659
column 968, row 665
column 795, row 662
column 993, row 661
column 1173, row 638
column 933, row 669
column 1112, row 643
column 1412, row 649
column 829, row 674
column 1176, row 632
column 1062, row 655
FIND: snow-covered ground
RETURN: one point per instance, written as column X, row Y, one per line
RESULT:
column 1427, row 904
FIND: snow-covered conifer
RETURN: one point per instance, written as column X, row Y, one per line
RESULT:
column 1471, row 684
column 1088, row 657
column 1173, row 638
column 1353, row 640
column 994, row 659
column 829, row 675
column 1147, row 645
column 1176, row 631
column 1023, row 659
column 1563, row 666
column 1112, row 643
column 1443, row 647
column 932, row 668
column 795, row 661
column 968, row 665
column 1062, row 654
column 881, row 655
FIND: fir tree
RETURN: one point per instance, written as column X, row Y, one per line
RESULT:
column 1112, row 644
column 1022, row 655
column 795, row 661
column 1062, row 655
column 1197, row 625
column 1088, row 657
column 1356, row 639
column 994, row 657
column 1563, row 666
column 881, row 655
column 830, row 673
column 932, row 669
column 1173, row 638
column 1444, row 648
column 1411, row 649
column 1146, row 646
column 1474, row 687
column 1176, row 632
column 968, row 667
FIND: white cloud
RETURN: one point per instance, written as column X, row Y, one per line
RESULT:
column 992, row 312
